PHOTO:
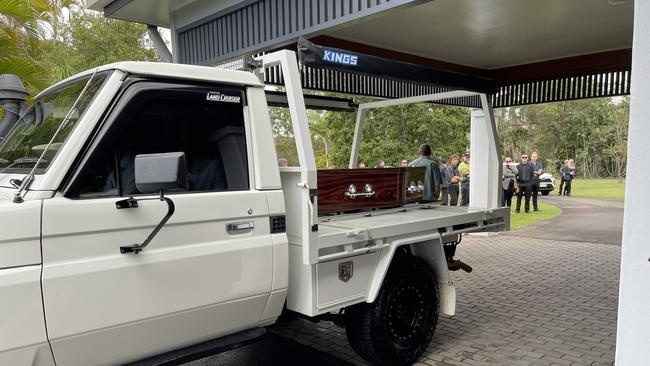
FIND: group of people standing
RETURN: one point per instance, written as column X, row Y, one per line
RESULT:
column 448, row 179
column 455, row 180
column 523, row 180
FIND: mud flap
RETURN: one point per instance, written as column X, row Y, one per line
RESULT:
column 447, row 293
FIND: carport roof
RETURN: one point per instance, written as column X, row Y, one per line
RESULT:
column 492, row 34
column 516, row 42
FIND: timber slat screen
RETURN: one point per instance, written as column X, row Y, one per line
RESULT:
column 607, row 84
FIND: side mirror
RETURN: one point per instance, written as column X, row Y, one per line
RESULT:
column 155, row 173
column 160, row 172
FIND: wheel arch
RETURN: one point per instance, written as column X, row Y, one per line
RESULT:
column 429, row 248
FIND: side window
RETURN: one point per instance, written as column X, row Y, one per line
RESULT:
column 207, row 124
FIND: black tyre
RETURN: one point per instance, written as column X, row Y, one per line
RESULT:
column 545, row 193
column 396, row 328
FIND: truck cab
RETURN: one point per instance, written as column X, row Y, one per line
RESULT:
column 215, row 269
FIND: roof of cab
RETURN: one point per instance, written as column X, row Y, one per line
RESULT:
column 178, row 71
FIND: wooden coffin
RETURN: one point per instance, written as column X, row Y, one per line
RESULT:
column 341, row 190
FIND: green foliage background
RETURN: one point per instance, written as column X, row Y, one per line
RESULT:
column 390, row 134
column 593, row 132
column 396, row 133
column 45, row 41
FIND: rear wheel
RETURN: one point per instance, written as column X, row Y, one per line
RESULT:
column 399, row 325
column 545, row 193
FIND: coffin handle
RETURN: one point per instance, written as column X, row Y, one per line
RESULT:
column 368, row 191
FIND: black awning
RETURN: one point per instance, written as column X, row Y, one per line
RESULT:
column 316, row 56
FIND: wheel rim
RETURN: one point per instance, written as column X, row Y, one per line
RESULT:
column 407, row 314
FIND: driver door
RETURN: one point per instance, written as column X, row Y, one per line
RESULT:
column 200, row 277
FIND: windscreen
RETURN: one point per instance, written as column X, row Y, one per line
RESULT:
column 32, row 133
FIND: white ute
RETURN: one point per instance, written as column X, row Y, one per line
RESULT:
column 106, row 258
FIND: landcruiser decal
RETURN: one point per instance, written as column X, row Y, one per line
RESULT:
column 346, row 271
column 218, row 97
column 340, row 58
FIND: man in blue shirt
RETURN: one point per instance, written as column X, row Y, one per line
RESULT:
column 538, row 169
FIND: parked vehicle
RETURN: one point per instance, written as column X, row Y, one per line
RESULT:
column 546, row 183
column 142, row 210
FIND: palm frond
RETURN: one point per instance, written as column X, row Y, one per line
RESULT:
column 25, row 18
column 16, row 9
column 28, row 70
column 7, row 43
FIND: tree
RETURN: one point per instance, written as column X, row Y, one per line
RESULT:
column 285, row 143
column 593, row 132
column 88, row 39
column 613, row 136
column 395, row 133
column 43, row 46
column 22, row 29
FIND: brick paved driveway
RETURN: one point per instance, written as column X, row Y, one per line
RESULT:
column 528, row 302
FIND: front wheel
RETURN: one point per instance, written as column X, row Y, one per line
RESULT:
column 396, row 328
column 545, row 193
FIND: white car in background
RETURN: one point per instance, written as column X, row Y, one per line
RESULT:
column 546, row 183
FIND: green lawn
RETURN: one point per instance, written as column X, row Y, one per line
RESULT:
column 518, row 220
column 595, row 188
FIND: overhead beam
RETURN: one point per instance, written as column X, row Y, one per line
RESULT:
column 569, row 66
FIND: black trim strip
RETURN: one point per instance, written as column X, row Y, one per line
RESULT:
column 21, row 266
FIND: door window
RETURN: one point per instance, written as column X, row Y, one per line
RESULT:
column 206, row 123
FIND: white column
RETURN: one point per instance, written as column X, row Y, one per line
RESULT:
column 485, row 163
column 633, row 331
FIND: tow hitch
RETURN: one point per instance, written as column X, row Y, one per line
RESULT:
column 456, row 264
column 450, row 251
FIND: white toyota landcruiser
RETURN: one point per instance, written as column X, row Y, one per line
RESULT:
column 142, row 211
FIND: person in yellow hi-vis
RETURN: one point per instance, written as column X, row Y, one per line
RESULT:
column 463, row 169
